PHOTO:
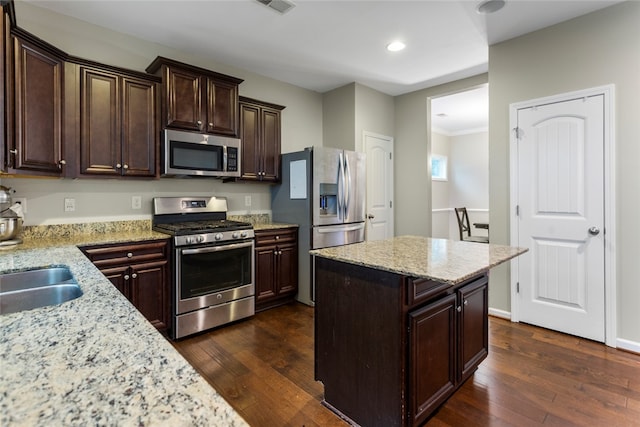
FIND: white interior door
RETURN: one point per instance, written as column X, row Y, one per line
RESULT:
column 560, row 204
column 379, row 152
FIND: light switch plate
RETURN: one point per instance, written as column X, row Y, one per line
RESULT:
column 69, row 205
column 136, row 202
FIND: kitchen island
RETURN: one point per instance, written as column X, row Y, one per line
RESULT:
column 400, row 324
column 94, row 360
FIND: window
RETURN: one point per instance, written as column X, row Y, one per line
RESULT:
column 438, row 167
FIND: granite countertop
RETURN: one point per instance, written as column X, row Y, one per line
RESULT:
column 273, row 226
column 447, row 261
column 95, row 360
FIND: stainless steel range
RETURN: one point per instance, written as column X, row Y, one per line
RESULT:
column 213, row 262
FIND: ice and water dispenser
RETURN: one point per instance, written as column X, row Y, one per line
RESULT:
column 328, row 199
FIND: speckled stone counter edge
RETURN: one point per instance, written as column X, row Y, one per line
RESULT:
column 95, row 360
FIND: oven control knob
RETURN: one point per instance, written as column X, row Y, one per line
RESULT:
column 235, row 235
column 189, row 240
column 243, row 234
column 218, row 236
column 200, row 239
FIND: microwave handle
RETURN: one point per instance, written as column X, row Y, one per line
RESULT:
column 209, row 249
column 224, row 158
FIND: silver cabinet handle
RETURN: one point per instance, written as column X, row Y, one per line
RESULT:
column 210, row 125
column 134, row 275
column 199, row 122
column 459, row 308
column 129, row 254
column 126, row 166
column 594, row 231
column 118, row 166
column 126, row 277
column 14, row 151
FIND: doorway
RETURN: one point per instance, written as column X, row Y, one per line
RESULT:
column 561, row 177
column 459, row 160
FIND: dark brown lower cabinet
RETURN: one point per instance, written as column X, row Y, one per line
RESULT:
column 391, row 349
column 140, row 272
column 276, row 256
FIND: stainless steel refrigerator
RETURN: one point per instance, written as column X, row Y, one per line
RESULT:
column 323, row 191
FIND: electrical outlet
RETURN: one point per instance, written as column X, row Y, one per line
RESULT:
column 247, row 200
column 69, row 205
column 23, row 203
column 136, row 202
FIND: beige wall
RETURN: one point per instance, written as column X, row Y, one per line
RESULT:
column 374, row 113
column 338, row 117
column 594, row 50
column 351, row 109
column 111, row 199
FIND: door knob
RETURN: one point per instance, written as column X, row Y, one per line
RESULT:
column 594, row 231
column 370, row 216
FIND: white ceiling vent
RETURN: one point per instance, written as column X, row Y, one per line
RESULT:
column 282, row 6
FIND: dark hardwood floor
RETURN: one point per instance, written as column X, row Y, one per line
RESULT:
column 264, row 368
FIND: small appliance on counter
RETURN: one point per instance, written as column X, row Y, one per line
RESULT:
column 213, row 262
column 10, row 219
column 323, row 191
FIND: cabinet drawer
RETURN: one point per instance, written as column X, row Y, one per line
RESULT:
column 421, row 290
column 110, row 255
column 272, row 237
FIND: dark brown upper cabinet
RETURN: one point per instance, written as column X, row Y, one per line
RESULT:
column 34, row 100
column 196, row 99
column 260, row 124
column 118, row 129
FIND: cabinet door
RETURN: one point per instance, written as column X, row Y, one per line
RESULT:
column 120, row 278
column 37, row 135
column 287, row 277
column 222, row 107
column 473, row 346
column 149, row 292
column 270, row 145
column 140, row 132
column 432, row 360
column 250, row 135
column 100, row 136
column 265, row 273
column 183, row 99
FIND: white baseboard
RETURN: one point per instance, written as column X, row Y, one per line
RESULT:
column 499, row 313
column 628, row 345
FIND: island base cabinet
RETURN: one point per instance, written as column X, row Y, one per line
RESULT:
column 432, row 344
column 387, row 358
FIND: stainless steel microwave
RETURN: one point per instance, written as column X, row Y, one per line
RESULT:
column 197, row 154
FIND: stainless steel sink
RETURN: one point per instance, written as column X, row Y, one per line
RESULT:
column 25, row 290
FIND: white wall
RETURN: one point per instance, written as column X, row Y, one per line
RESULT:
column 597, row 49
column 440, row 190
column 467, row 184
column 301, row 125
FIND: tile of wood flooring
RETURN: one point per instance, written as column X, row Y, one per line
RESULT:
column 263, row 367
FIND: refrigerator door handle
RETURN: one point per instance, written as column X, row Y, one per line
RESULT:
column 341, row 187
column 340, row 228
column 347, row 187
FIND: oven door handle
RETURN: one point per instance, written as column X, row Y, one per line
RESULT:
column 216, row 248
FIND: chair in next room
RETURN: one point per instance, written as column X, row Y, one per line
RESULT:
column 465, row 228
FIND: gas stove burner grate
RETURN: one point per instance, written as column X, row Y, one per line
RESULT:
column 206, row 226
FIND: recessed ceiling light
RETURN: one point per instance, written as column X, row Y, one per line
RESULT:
column 395, row 46
column 490, row 6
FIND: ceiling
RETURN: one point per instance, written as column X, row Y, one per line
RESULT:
column 324, row 44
